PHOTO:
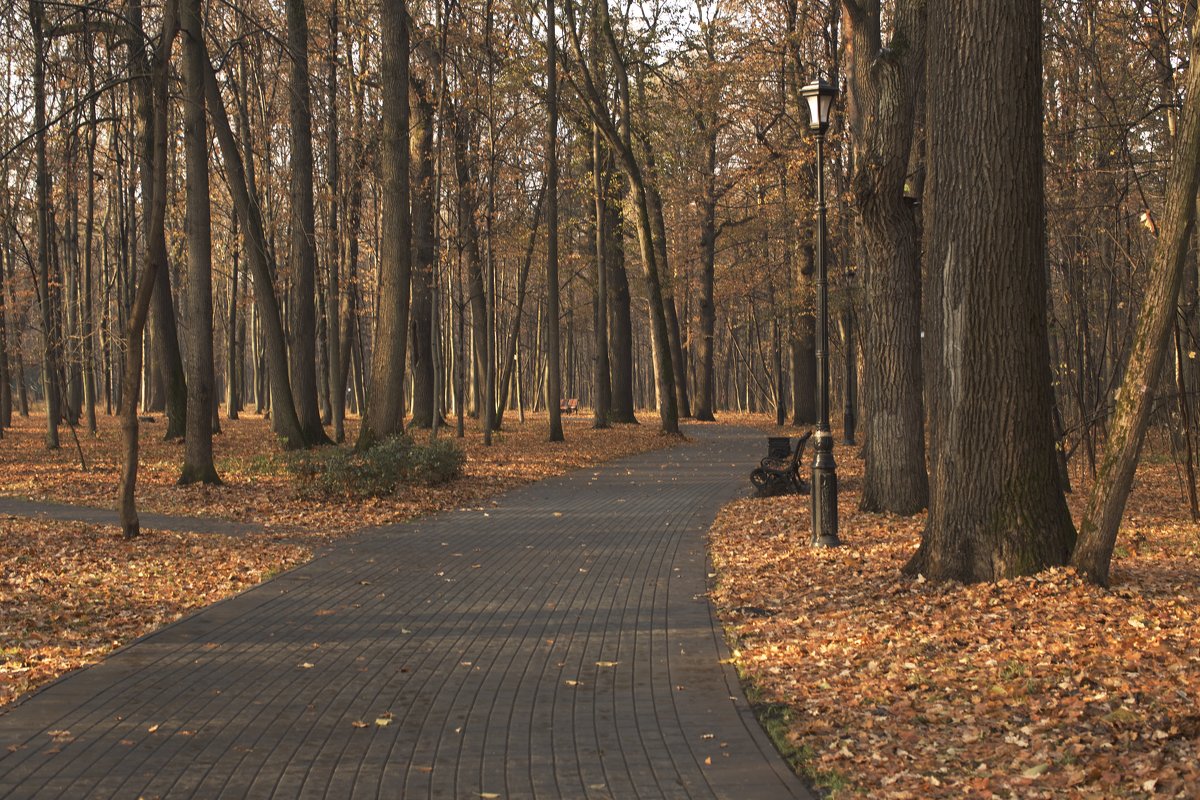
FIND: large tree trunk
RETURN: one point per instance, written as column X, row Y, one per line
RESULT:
column 884, row 86
column 424, row 254
column 385, row 400
column 303, row 231
column 553, row 356
column 283, row 409
column 1135, row 399
column 198, row 453
column 997, row 509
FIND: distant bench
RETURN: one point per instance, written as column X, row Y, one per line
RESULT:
column 569, row 406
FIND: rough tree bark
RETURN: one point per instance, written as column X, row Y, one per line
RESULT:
column 997, row 509
column 883, row 82
column 198, row 454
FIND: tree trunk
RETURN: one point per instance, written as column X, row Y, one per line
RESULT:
column 152, row 107
column 601, row 372
column 283, row 409
column 849, row 376
column 303, row 232
column 5, row 388
column 1135, row 399
column 804, row 347
column 424, row 254
column 233, row 364
column 666, row 281
column 168, row 359
column 333, row 293
column 198, row 454
column 708, row 257
column 49, row 362
column 553, row 354
column 997, row 509
column 466, row 172
column 620, row 338
column 385, row 399
column 884, row 85
column 86, row 322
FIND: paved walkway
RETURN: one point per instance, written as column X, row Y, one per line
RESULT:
column 21, row 507
column 557, row 644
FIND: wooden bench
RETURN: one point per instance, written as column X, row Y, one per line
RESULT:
column 569, row 406
column 776, row 476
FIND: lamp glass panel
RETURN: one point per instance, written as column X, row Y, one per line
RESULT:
column 815, row 117
column 826, row 103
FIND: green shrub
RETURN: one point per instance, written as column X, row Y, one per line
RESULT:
column 337, row 472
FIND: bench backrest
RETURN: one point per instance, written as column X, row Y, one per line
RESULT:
column 800, row 443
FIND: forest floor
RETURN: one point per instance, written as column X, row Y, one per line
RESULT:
column 895, row 687
column 72, row 592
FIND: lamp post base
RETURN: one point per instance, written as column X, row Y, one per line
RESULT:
column 824, row 497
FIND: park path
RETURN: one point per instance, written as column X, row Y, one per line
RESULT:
column 554, row 643
column 66, row 512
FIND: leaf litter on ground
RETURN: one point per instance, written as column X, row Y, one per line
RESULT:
column 900, row 688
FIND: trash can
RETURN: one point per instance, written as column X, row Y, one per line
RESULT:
column 779, row 446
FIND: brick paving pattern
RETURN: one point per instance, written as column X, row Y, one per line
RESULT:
column 556, row 643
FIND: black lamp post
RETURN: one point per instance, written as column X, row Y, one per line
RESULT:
column 820, row 95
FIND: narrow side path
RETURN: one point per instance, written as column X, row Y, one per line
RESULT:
column 47, row 509
column 558, row 644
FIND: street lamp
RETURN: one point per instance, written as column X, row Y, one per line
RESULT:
column 820, row 95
